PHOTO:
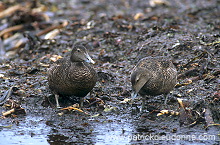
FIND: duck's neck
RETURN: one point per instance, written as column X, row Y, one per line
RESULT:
column 81, row 63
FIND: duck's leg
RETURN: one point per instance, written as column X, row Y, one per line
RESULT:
column 81, row 101
column 143, row 103
column 57, row 101
column 166, row 98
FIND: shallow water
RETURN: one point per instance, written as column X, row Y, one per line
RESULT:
column 33, row 130
column 113, row 133
column 29, row 131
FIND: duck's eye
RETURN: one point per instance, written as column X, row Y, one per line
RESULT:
column 137, row 78
column 78, row 50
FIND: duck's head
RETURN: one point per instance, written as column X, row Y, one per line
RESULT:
column 139, row 78
column 79, row 54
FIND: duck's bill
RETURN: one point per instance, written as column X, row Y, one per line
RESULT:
column 133, row 96
column 89, row 59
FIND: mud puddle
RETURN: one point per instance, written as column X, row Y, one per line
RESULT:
column 31, row 130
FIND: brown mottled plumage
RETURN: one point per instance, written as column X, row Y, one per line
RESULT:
column 72, row 76
column 153, row 76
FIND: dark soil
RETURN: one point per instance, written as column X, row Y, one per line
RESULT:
column 118, row 34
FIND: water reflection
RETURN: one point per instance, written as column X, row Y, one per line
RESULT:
column 117, row 131
column 29, row 131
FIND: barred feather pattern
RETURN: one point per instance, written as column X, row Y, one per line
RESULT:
column 71, row 78
column 163, row 75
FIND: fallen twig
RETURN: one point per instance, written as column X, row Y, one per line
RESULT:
column 73, row 108
column 8, row 112
column 60, row 26
column 10, row 29
column 98, row 100
column 168, row 112
column 14, row 110
column 10, row 10
column 215, row 124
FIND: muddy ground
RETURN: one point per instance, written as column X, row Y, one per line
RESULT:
column 118, row 34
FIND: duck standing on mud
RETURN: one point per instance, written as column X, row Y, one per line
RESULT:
column 153, row 76
column 72, row 76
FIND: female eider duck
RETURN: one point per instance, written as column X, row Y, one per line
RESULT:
column 72, row 76
column 153, row 76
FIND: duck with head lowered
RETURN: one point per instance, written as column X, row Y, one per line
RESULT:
column 153, row 76
column 72, row 76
